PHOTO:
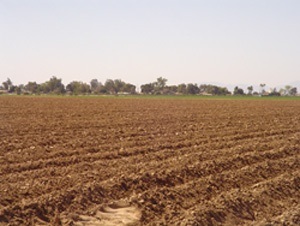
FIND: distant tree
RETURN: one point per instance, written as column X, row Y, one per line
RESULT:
column 53, row 86
column 159, row 85
column 172, row 89
column 110, row 86
column 102, row 89
column 147, row 88
column 238, row 91
column 293, row 91
column 287, row 90
column 213, row 90
column 250, row 90
column 182, row 89
column 129, row 88
column 161, row 82
column 274, row 92
column 192, row 89
column 7, row 84
column 262, row 91
column 78, row 88
column 31, row 87
column 282, row 91
column 205, row 89
column 13, row 89
column 20, row 89
column 74, row 88
column 119, row 85
column 85, row 88
column 221, row 91
column 95, row 85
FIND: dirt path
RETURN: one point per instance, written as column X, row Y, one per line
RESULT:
column 111, row 215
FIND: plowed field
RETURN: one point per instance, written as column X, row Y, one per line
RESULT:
column 114, row 161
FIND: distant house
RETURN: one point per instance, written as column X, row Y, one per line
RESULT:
column 205, row 94
column 123, row 93
column 3, row 91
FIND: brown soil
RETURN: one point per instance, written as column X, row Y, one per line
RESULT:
column 98, row 161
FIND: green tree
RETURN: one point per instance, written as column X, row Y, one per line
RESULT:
column 274, row 92
column 20, row 89
column 147, row 88
column 250, row 90
column 110, row 86
column 213, row 90
column 182, row 88
column 119, row 85
column 78, row 88
column 53, row 86
column 13, row 89
column 94, row 85
column 238, row 91
column 172, row 89
column 7, row 84
column 159, row 85
column 287, row 90
column 31, row 87
column 293, row 91
column 262, row 90
column 192, row 89
column 129, row 88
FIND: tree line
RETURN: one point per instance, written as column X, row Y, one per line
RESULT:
column 55, row 86
column 116, row 87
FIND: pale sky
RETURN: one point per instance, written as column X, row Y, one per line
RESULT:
column 199, row 41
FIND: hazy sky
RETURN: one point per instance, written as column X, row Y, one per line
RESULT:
column 225, row 41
